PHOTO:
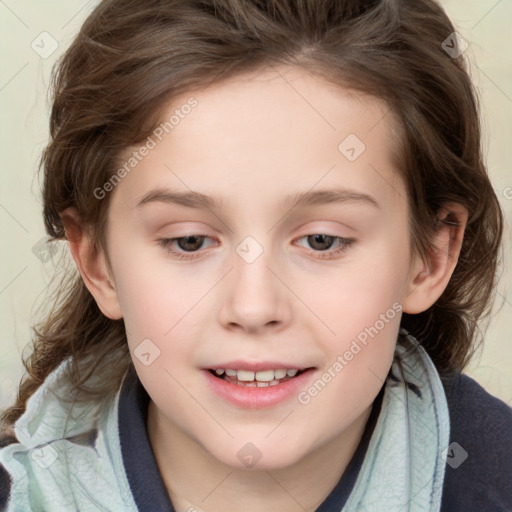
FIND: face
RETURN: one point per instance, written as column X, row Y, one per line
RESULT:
column 253, row 278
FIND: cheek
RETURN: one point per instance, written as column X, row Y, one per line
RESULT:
column 365, row 317
column 361, row 305
column 364, row 287
column 162, row 304
column 152, row 297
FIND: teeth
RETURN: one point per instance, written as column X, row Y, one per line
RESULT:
column 264, row 377
column 251, row 384
column 245, row 376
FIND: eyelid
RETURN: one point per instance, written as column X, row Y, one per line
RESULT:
column 330, row 253
column 167, row 243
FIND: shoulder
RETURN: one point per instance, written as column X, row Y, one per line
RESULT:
column 56, row 422
column 479, row 457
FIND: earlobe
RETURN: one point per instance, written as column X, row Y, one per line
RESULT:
column 430, row 277
column 92, row 264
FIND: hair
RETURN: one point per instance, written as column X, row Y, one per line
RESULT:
column 131, row 57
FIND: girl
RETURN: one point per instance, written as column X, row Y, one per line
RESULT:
column 213, row 354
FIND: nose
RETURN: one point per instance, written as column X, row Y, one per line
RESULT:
column 254, row 297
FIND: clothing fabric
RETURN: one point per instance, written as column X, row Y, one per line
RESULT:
column 86, row 459
column 479, row 474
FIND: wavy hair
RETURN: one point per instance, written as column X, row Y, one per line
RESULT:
column 131, row 57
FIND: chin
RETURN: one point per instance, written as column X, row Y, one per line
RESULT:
column 259, row 456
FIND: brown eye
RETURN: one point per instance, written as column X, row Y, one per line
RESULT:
column 183, row 247
column 190, row 243
column 320, row 242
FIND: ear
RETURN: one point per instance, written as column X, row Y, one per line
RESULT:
column 92, row 264
column 430, row 278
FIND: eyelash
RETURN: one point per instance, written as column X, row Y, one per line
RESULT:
column 166, row 244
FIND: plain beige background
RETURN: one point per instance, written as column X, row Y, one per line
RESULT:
column 34, row 34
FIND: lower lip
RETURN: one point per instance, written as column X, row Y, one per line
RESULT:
column 254, row 397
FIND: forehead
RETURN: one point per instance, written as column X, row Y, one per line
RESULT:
column 266, row 133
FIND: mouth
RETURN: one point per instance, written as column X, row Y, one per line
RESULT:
column 257, row 379
column 257, row 385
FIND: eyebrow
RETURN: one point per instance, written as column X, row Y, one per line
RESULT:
column 310, row 198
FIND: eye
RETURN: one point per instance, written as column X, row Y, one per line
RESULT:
column 322, row 244
column 188, row 244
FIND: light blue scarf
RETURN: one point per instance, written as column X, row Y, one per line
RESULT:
column 404, row 467
column 403, row 470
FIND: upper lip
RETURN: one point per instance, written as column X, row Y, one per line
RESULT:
column 256, row 366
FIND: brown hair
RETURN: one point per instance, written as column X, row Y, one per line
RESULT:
column 131, row 57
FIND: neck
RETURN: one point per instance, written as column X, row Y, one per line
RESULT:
column 197, row 481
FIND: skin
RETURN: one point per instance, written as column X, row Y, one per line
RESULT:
column 251, row 141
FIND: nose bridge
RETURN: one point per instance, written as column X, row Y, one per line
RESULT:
column 255, row 297
column 252, row 277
